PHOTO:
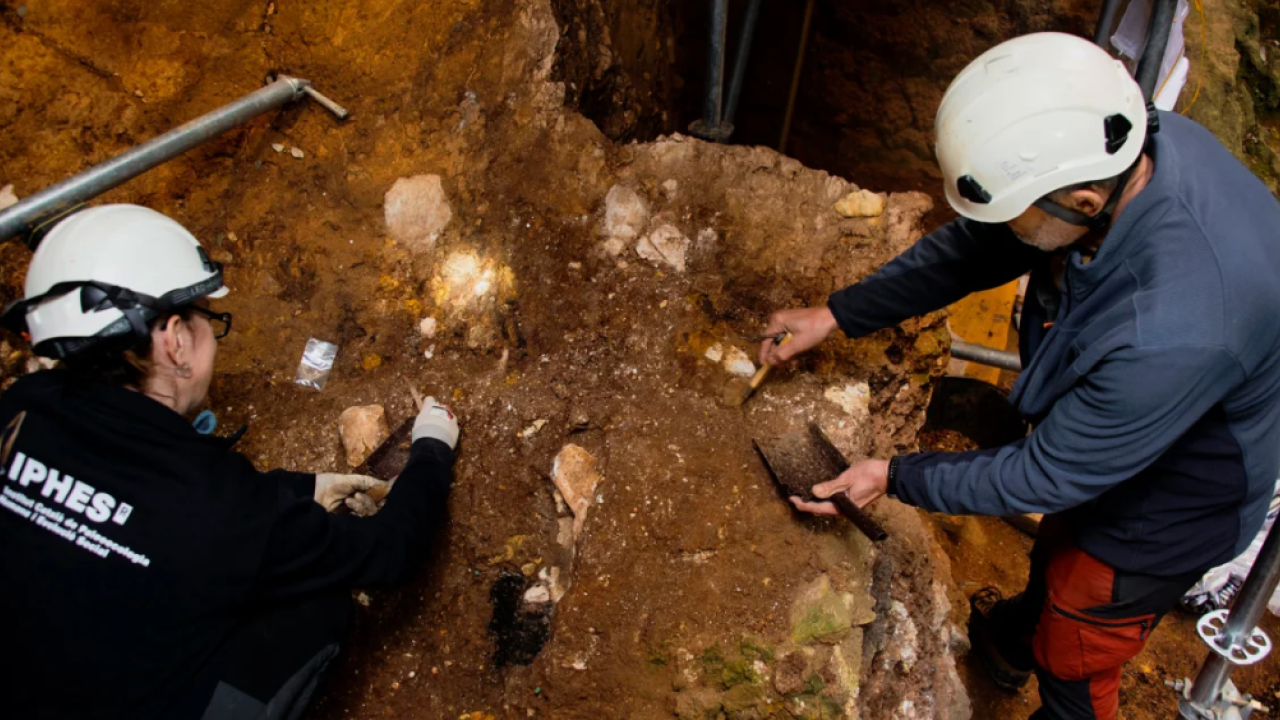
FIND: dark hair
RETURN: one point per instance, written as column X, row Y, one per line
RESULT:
column 123, row 361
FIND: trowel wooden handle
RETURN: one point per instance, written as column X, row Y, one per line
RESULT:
column 863, row 521
column 763, row 372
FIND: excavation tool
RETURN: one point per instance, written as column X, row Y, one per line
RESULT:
column 736, row 393
column 34, row 214
column 388, row 459
column 798, row 461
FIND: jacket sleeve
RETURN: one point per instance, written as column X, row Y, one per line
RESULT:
column 303, row 484
column 1116, row 421
column 309, row 550
column 958, row 258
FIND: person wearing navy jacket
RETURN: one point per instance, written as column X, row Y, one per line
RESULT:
column 1149, row 343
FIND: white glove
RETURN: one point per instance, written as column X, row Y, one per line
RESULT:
column 334, row 488
column 436, row 421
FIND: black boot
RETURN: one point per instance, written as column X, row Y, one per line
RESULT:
column 1007, row 659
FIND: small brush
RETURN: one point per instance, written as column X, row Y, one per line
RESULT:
column 758, row 379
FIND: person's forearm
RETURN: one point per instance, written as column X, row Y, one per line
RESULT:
column 941, row 268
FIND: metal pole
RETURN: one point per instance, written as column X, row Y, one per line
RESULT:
column 715, row 65
column 795, row 77
column 740, row 60
column 1244, row 616
column 1106, row 19
column 98, row 179
column 1157, row 41
column 986, row 356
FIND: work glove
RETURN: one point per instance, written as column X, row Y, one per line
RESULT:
column 335, row 489
column 436, row 421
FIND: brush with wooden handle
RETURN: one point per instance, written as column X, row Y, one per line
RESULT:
column 758, row 379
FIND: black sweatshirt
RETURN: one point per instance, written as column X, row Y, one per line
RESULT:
column 131, row 546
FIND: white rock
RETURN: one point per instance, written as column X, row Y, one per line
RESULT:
column 664, row 244
column 574, row 474
column 428, row 327
column 854, row 399
column 363, row 428
column 417, row 211
column 7, row 197
column 715, row 353
column 278, row 147
column 533, row 429
column 737, row 363
column 625, row 213
column 297, row 152
column 537, row 595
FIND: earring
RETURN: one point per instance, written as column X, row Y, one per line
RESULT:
column 183, row 370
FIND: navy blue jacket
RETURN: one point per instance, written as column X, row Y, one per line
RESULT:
column 1152, row 377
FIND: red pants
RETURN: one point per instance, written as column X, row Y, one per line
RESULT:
column 1080, row 620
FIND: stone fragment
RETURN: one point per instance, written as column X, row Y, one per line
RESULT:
column 861, row 203
column 738, row 363
column 363, row 428
column 428, row 327
column 297, row 152
column 537, row 595
column 665, row 244
column 820, row 614
column 417, row 210
column 614, row 246
column 575, row 476
column 854, row 399
column 7, row 197
column 278, row 147
column 625, row 213
column 698, row 704
column 715, row 353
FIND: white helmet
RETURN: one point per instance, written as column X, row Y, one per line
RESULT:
column 1034, row 115
column 107, row 272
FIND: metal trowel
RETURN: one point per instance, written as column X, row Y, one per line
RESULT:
column 798, row 461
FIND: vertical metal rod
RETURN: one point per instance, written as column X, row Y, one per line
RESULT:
column 715, row 65
column 1157, row 41
column 98, row 179
column 795, row 77
column 1106, row 20
column 740, row 59
column 1241, row 621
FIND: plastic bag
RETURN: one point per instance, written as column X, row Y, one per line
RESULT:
column 316, row 364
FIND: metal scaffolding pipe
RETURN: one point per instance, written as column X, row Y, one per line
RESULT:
column 796, row 74
column 986, row 356
column 1106, row 20
column 27, row 214
column 715, row 65
column 1241, row 621
column 1157, row 41
column 740, row 59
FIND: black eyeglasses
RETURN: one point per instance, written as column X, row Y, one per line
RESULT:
column 221, row 322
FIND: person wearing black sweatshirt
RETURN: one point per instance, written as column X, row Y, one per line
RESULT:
column 149, row 570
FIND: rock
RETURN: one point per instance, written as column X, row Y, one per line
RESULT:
column 820, row 614
column 417, row 211
column 737, row 363
column 575, row 476
column 297, row 152
column 533, row 429
column 860, row 204
column 278, row 147
column 625, row 213
column 428, row 327
column 537, row 595
column 854, row 399
column 7, row 197
column 715, row 353
column 371, row 361
column 698, row 704
column 665, row 244
column 363, row 428
column 614, row 246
